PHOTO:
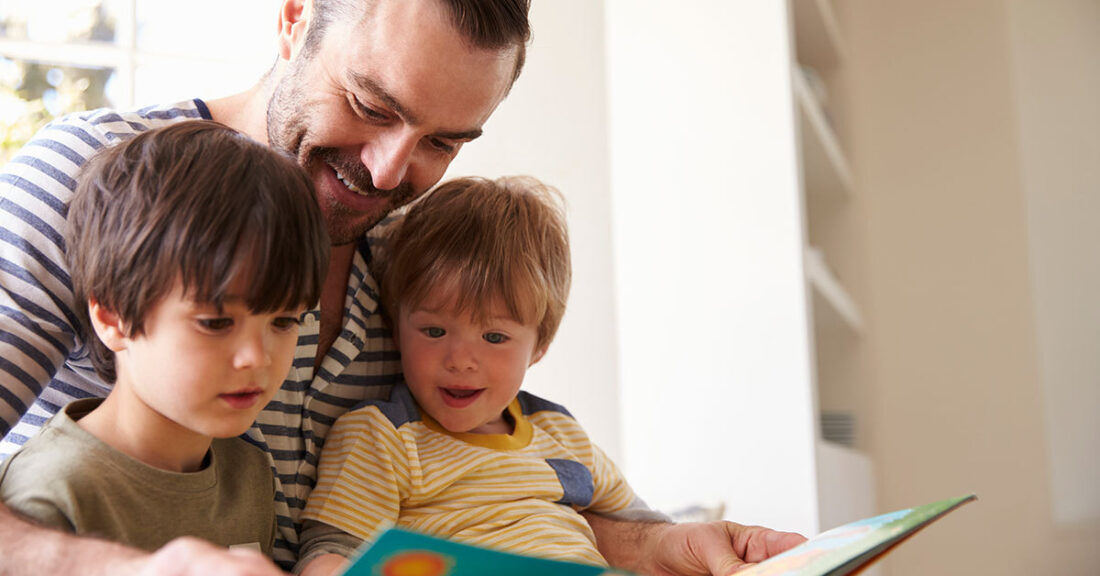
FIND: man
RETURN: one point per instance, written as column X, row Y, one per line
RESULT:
column 374, row 98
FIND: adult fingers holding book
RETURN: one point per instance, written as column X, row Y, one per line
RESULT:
column 716, row 548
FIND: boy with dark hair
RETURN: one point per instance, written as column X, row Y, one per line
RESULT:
column 474, row 285
column 194, row 251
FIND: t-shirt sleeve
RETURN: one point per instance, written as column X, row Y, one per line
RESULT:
column 25, row 492
column 319, row 539
column 362, row 474
column 611, row 491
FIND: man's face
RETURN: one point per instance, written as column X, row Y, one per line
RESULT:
column 379, row 110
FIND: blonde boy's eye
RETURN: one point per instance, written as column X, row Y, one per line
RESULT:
column 216, row 324
column 434, row 332
column 495, row 337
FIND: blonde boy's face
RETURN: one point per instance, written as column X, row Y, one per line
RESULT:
column 462, row 372
column 197, row 372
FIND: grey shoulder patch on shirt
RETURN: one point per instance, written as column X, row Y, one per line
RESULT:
column 530, row 404
column 576, row 482
column 400, row 409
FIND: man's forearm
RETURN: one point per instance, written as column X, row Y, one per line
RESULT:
column 29, row 549
column 623, row 543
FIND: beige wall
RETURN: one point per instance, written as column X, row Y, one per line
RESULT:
column 958, row 404
column 1056, row 56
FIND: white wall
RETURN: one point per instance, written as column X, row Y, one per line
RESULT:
column 716, row 400
column 1056, row 57
column 554, row 126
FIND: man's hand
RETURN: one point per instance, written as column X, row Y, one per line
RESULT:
column 715, row 548
column 194, row 557
column 690, row 549
column 30, row 549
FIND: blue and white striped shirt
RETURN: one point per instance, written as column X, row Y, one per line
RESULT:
column 44, row 364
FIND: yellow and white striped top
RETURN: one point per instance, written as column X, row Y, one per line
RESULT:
column 388, row 463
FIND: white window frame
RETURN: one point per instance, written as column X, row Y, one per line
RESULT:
column 122, row 55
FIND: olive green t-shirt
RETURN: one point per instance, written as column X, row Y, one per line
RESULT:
column 68, row 479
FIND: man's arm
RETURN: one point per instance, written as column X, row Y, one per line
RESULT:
column 28, row 549
column 690, row 549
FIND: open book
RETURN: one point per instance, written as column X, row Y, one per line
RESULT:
column 842, row 550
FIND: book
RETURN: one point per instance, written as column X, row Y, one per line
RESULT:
column 836, row 552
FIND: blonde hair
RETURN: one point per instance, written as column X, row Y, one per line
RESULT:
column 503, row 240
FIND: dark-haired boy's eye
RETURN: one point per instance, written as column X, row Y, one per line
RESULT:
column 287, row 322
column 216, row 324
column 495, row 337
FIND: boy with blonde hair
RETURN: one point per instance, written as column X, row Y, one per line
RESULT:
column 474, row 285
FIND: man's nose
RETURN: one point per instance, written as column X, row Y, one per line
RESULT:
column 388, row 156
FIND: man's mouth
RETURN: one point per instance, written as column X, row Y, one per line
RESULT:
column 349, row 184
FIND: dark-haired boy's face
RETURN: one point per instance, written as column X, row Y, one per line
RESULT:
column 379, row 110
column 201, row 371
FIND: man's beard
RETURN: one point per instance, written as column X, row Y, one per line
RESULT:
column 346, row 225
column 288, row 122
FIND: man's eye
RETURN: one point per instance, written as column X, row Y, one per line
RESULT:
column 495, row 337
column 216, row 324
column 434, row 332
column 442, row 145
column 364, row 110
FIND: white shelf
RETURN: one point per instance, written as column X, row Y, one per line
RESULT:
column 825, row 168
column 832, row 304
column 846, row 484
column 817, row 37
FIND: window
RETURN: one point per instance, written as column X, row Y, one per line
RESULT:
column 64, row 56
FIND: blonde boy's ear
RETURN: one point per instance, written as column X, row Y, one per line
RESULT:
column 107, row 326
column 294, row 17
column 539, row 353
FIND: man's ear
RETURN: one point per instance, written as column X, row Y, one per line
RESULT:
column 294, row 17
column 539, row 353
column 108, row 326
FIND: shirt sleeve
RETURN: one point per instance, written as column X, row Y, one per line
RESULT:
column 319, row 539
column 364, row 471
column 36, row 309
column 24, row 490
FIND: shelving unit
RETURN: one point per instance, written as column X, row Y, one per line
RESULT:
column 826, row 168
column 845, row 473
column 831, row 300
column 819, row 43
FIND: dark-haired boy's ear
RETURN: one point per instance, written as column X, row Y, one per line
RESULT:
column 293, row 19
column 539, row 353
column 107, row 326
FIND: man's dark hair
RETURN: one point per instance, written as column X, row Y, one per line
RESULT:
column 194, row 203
column 486, row 24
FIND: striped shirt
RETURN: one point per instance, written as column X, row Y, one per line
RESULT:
column 44, row 364
column 388, row 463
